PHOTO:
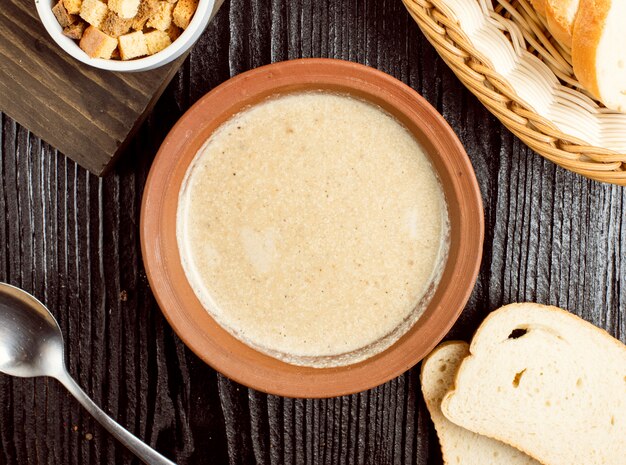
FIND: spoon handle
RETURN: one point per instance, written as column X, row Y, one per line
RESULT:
column 140, row 449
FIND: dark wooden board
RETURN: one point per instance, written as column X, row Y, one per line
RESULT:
column 72, row 239
column 86, row 113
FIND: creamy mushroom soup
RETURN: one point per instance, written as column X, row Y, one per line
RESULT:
column 313, row 227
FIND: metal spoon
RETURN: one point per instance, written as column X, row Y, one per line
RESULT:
column 31, row 344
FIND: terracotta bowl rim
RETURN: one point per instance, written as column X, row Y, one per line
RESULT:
column 216, row 346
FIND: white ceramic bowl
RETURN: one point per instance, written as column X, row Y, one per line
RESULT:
column 189, row 36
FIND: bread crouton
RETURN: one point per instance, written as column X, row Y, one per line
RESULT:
column 72, row 6
column 124, row 8
column 161, row 18
column 132, row 45
column 156, row 41
column 97, row 44
column 174, row 32
column 93, row 11
column 115, row 26
column 75, row 31
column 183, row 12
column 146, row 9
column 62, row 16
column 103, row 27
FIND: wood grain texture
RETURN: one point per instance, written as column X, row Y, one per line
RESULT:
column 63, row 100
column 72, row 239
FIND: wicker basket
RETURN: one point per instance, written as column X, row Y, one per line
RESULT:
column 571, row 130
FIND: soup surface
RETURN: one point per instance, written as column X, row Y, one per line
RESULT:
column 313, row 228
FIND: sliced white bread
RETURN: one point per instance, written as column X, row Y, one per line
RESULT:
column 548, row 383
column 599, row 50
column 458, row 445
column 560, row 16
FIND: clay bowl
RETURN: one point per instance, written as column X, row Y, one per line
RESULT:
column 193, row 323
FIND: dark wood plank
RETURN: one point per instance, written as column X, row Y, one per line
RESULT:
column 72, row 239
column 87, row 114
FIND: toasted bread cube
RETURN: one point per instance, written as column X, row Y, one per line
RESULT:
column 93, row 11
column 174, row 32
column 124, row 8
column 115, row 26
column 63, row 17
column 75, row 31
column 156, row 41
column 183, row 12
column 162, row 16
column 132, row 45
column 97, row 44
column 72, row 6
column 146, row 9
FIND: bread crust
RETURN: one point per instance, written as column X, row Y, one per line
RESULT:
column 539, row 6
column 96, row 43
column 586, row 36
column 464, row 348
column 113, row 25
column 183, row 12
column 559, row 26
column 75, row 31
column 565, row 313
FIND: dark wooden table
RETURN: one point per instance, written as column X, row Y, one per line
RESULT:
column 72, row 239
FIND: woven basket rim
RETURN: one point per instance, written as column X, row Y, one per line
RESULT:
column 438, row 23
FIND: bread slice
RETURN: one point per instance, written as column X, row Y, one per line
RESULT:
column 599, row 51
column 560, row 16
column 458, row 445
column 539, row 6
column 547, row 382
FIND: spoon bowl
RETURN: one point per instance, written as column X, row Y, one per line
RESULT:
column 31, row 344
column 37, row 347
